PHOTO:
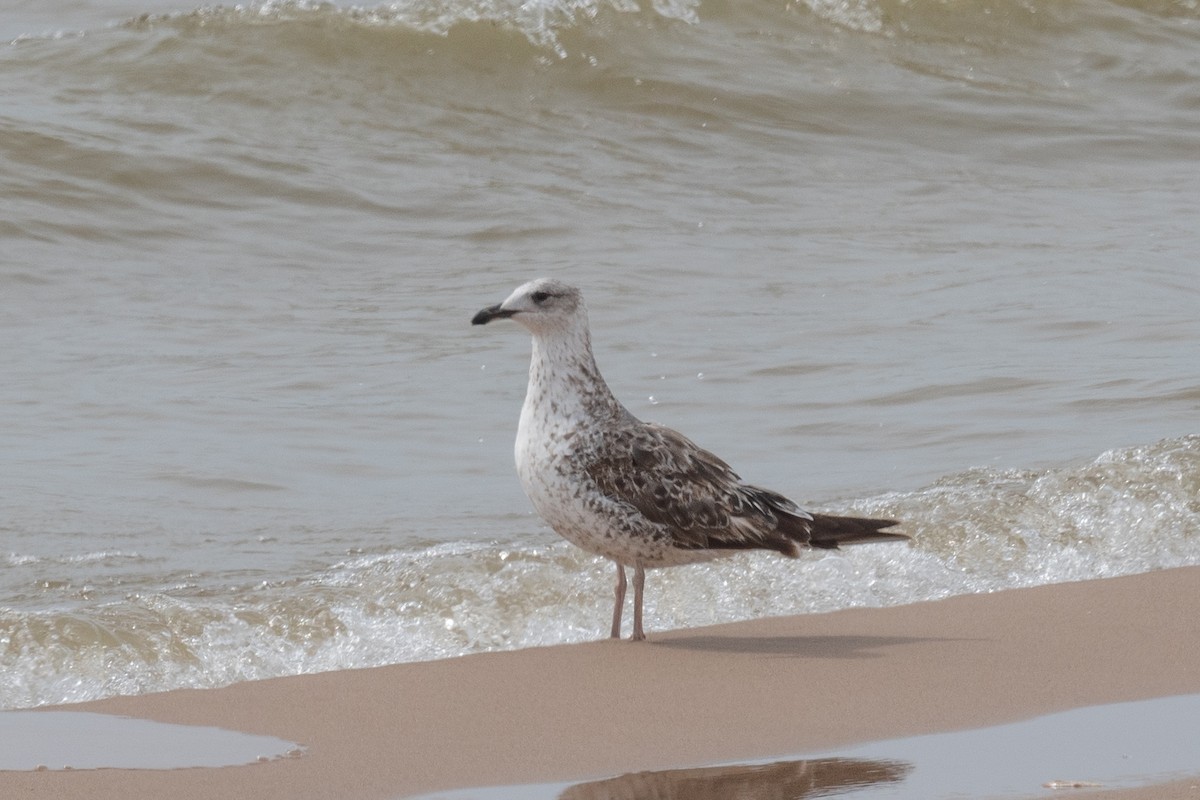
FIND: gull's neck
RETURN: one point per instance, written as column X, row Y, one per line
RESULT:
column 563, row 378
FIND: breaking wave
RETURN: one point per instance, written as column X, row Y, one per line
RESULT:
column 1128, row 511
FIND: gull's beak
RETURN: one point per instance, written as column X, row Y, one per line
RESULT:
column 490, row 313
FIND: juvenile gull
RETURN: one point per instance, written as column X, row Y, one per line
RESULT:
column 632, row 491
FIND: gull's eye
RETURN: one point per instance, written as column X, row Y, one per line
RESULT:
column 540, row 297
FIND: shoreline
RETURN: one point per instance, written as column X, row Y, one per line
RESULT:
column 750, row 690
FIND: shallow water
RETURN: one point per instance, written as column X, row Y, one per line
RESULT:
column 1115, row 746
column 914, row 258
column 57, row 740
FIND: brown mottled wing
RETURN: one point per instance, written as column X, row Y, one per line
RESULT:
column 697, row 496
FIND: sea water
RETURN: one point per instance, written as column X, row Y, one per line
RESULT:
column 921, row 259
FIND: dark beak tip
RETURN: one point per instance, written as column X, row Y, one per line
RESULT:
column 490, row 313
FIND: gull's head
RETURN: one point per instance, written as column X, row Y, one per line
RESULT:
column 542, row 305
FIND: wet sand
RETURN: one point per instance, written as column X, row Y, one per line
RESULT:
column 771, row 687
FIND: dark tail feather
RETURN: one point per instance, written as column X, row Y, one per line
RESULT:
column 829, row 532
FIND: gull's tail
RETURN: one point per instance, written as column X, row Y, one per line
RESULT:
column 828, row 532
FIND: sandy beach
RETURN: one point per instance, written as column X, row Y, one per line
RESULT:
column 686, row 698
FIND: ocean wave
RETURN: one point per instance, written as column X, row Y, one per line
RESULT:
column 608, row 46
column 543, row 21
column 1128, row 511
column 577, row 27
column 540, row 22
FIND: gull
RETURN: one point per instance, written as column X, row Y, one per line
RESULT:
column 636, row 492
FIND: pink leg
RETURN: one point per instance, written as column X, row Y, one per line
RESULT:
column 620, row 604
column 639, row 582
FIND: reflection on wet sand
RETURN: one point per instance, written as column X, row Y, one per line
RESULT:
column 783, row 780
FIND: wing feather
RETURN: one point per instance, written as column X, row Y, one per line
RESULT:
column 702, row 502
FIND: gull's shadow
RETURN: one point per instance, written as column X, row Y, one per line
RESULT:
column 810, row 646
column 793, row 780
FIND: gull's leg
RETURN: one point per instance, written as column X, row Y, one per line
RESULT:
column 639, row 582
column 620, row 604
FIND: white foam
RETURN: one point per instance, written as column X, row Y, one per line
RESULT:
column 1128, row 511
